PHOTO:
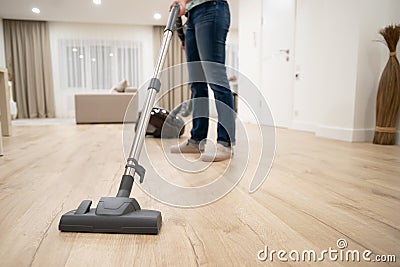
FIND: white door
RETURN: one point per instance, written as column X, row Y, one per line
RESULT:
column 278, row 30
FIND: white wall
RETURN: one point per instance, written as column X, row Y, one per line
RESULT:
column 249, row 32
column 2, row 53
column 59, row 30
column 339, row 65
column 308, row 58
column 250, row 39
column 326, row 62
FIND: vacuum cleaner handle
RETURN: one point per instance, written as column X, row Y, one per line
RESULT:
column 172, row 17
column 154, row 87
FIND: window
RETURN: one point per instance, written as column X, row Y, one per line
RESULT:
column 127, row 64
column 101, row 66
column 98, row 64
column 76, row 66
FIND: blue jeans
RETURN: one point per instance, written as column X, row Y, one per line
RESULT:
column 206, row 31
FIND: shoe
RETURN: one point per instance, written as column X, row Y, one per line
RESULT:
column 188, row 148
column 222, row 153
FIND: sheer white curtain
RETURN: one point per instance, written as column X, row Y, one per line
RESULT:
column 93, row 66
column 98, row 64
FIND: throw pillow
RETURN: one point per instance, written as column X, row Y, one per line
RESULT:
column 120, row 87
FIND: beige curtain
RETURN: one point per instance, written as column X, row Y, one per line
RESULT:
column 172, row 95
column 27, row 48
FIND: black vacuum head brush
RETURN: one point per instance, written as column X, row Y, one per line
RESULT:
column 112, row 215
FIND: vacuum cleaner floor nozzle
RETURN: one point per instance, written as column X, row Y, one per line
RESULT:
column 112, row 215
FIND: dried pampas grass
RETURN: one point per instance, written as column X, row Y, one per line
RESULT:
column 388, row 99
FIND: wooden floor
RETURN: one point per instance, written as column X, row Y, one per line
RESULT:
column 318, row 191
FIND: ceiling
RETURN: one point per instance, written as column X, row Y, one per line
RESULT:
column 133, row 12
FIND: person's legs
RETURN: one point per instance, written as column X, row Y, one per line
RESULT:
column 211, row 22
column 199, row 89
column 226, row 116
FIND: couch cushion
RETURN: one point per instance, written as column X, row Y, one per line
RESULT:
column 106, row 108
column 130, row 89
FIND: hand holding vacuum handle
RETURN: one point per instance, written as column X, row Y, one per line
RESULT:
column 172, row 17
column 182, row 5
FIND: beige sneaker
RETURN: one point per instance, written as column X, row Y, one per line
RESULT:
column 222, row 153
column 188, row 148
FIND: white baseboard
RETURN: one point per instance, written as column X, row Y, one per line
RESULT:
column 367, row 135
column 363, row 135
column 345, row 134
column 336, row 133
column 303, row 126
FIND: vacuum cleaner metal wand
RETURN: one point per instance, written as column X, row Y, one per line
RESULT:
column 149, row 102
column 154, row 88
column 122, row 214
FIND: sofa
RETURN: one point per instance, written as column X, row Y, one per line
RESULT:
column 106, row 107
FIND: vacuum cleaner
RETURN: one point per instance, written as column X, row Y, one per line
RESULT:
column 122, row 214
column 164, row 124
